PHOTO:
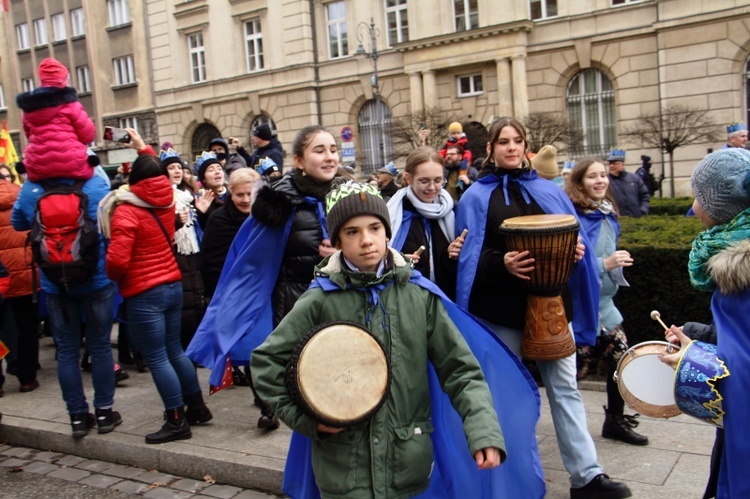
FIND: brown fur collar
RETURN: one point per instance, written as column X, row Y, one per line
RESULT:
column 731, row 268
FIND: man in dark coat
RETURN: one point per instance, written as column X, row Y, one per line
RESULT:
column 629, row 191
column 266, row 146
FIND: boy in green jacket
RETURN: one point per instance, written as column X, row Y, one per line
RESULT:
column 391, row 454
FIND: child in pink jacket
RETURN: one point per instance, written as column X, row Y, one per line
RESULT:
column 57, row 127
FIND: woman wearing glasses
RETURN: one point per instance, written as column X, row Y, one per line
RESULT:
column 422, row 216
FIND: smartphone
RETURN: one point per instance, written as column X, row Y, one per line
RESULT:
column 116, row 135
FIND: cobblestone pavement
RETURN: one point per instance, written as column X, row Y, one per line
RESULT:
column 129, row 480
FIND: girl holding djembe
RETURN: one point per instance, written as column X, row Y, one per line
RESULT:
column 490, row 287
column 588, row 188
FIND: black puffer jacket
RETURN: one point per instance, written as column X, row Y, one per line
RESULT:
column 273, row 206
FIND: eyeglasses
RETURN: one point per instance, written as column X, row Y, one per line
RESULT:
column 425, row 182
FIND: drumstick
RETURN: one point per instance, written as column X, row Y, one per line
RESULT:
column 463, row 234
column 419, row 251
column 655, row 315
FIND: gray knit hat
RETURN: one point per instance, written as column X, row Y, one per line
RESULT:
column 351, row 200
column 721, row 183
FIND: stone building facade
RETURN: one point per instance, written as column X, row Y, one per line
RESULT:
column 219, row 67
column 104, row 46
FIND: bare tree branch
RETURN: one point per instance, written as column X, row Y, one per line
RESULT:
column 676, row 126
column 405, row 130
column 549, row 129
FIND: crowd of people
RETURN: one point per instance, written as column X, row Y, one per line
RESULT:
column 232, row 261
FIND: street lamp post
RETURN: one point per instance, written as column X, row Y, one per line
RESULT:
column 364, row 31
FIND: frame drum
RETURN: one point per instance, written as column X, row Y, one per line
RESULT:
column 645, row 382
column 339, row 374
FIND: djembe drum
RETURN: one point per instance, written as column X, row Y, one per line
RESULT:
column 339, row 374
column 551, row 241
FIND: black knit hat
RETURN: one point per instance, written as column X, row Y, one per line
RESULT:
column 202, row 163
column 351, row 200
column 219, row 142
column 263, row 132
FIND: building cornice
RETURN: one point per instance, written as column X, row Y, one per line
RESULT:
column 460, row 36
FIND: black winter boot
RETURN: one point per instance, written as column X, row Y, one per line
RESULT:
column 197, row 412
column 620, row 427
column 175, row 428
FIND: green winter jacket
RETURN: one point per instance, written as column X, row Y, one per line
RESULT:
column 391, row 454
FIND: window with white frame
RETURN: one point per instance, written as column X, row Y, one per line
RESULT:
column 40, row 32
column 466, row 14
column 22, row 33
column 59, row 32
column 591, row 112
column 129, row 122
column 469, row 85
column 77, row 22
column 2, row 98
column 338, row 45
column 397, row 21
column 124, row 70
column 542, row 9
column 119, row 12
column 197, row 57
column 83, row 76
column 27, row 84
column 254, row 45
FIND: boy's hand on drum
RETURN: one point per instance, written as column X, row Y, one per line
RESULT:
column 671, row 334
column 518, row 264
column 619, row 258
column 487, row 458
column 329, row 429
column 673, row 359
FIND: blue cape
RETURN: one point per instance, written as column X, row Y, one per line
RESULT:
column 472, row 215
column 730, row 316
column 591, row 224
column 245, row 287
column 455, row 475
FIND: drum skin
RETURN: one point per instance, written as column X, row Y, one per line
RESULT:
column 551, row 241
column 339, row 374
column 645, row 383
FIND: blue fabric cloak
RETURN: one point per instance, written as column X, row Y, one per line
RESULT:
column 730, row 313
column 472, row 215
column 455, row 475
column 245, row 287
column 591, row 224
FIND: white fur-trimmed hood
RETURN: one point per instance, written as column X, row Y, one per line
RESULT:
column 730, row 268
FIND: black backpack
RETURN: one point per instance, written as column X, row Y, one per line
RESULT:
column 63, row 237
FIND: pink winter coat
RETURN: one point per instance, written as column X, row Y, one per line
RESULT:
column 58, row 129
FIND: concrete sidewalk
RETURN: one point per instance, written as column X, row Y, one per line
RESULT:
column 233, row 451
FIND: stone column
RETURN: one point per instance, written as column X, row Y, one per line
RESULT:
column 430, row 89
column 504, row 88
column 520, row 91
column 415, row 91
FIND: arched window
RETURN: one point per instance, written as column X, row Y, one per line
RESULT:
column 591, row 113
column 746, row 81
column 375, row 135
column 201, row 137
